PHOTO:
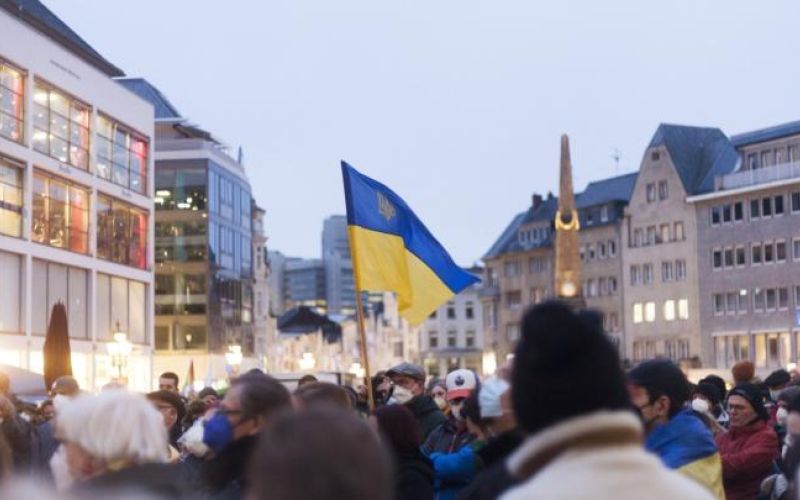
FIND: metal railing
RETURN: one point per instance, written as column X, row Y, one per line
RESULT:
column 762, row 175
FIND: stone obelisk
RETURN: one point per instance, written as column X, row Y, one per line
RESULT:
column 568, row 260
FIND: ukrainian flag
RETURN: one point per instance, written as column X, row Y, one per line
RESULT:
column 393, row 251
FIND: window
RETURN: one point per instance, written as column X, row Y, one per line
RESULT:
column 592, row 288
column 612, row 248
column 727, row 216
column 755, row 209
column 469, row 311
column 647, row 273
column 635, row 275
column 60, row 213
column 638, row 237
column 590, row 251
column 766, row 207
column 665, row 233
column 511, row 268
column 778, row 204
column 678, row 232
column 589, row 217
column 60, row 126
column 741, row 258
column 60, row 283
column 451, row 311
column 537, row 264
column 10, row 306
column 452, row 337
column 755, row 252
column 742, row 301
column 716, row 259
column 716, row 216
column 121, row 232
column 719, row 304
column 650, row 312
column 12, row 89
column 669, row 310
column 683, row 309
column 783, row 299
column 651, row 235
column 123, row 301
column 796, row 202
column 663, row 190
column 469, row 338
column 11, row 199
column 780, row 251
column 732, row 302
column 796, row 248
column 512, row 332
column 680, row 270
column 121, row 155
column 604, row 214
column 651, row 192
column 666, row 271
column 766, row 158
column 752, row 161
column 638, row 315
column 768, row 254
column 738, row 211
column 758, row 300
column 797, row 298
column 728, row 257
column 602, row 286
column 513, row 299
column 771, row 299
column 601, row 250
column 612, row 285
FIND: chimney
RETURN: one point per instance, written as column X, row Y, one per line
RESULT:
column 537, row 201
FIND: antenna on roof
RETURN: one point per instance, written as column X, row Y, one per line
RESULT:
column 240, row 156
column 616, row 156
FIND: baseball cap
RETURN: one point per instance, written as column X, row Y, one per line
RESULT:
column 460, row 383
column 407, row 369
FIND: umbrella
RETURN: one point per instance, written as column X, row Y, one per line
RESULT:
column 57, row 361
column 303, row 319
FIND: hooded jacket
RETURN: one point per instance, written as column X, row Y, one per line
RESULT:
column 493, row 478
column 427, row 414
column 747, row 455
column 414, row 477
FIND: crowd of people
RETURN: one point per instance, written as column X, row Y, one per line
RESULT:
column 561, row 420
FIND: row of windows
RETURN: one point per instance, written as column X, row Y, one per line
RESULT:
column 451, row 311
column 469, row 339
column 763, row 300
column 601, row 250
column 653, row 235
column 661, row 189
column 670, row 271
column 535, row 265
column 765, row 350
column 770, row 157
column 600, row 287
column 645, row 312
column 765, row 252
column 676, row 350
column 534, row 235
column 760, row 208
column 62, row 129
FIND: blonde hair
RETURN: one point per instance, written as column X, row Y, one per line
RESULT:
column 115, row 427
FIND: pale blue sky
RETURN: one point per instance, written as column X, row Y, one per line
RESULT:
column 457, row 105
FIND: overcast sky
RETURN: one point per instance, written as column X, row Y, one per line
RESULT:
column 456, row 105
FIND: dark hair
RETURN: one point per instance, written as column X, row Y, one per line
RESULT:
column 207, row 391
column 325, row 454
column 471, row 409
column 399, row 428
column 325, row 393
column 172, row 376
column 718, row 382
column 306, row 379
column 261, row 395
column 564, row 366
column 662, row 377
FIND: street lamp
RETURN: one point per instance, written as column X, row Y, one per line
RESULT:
column 307, row 362
column 119, row 350
column 357, row 370
column 234, row 357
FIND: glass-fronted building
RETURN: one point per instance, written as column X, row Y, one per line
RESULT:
column 203, row 246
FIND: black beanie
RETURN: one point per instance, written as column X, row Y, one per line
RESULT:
column 752, row 394
column 710, row 391
column 662, row 377
column 777, row 378
column 564, row 367
column 719, row 383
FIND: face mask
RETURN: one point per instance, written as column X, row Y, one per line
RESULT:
column 217, row 432
column 455, row 410
column 59, row 401
column 401, row 395
column 700, row 405
column 774, row 395
column 781, row 416
column 440, row 402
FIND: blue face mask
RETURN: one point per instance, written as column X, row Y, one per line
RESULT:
column 217, row 432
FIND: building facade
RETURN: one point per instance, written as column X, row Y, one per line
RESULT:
column 203, row 249
column 340, row 287
column 748, row 252
column 76, row 209
column 452, row 337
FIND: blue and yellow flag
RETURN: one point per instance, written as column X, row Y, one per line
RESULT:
column 393, row 251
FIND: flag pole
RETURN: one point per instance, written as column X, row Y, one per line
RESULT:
column 362, row 334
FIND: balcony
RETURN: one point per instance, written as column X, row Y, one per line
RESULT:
column 763, row 175
column 489, row 291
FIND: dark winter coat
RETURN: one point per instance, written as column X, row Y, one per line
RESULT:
column 748, row 454
column 153, row 480
column 494, row 478
column 447, row 438
column 414, row 477
column 428, row 415
column 224, row 475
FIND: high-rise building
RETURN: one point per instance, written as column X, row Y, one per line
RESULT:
column 203, row 249
column 340, row 292
column 76, row 209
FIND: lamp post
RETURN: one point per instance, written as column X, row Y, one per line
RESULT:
column 234, row 358
column 307, row 362
column 119, row 350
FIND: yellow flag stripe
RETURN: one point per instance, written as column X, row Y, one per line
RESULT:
column 708, row 472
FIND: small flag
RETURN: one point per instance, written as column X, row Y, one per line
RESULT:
column 393, row 251
column 188, row 388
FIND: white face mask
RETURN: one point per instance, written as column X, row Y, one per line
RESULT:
column 700, row 405
column 455, row 410
column 440, row 402
column 781, row 416
column 401, row 395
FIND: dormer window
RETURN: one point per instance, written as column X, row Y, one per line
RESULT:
column 655, row 155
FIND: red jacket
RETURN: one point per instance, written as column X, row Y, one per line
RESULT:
column 747, row 457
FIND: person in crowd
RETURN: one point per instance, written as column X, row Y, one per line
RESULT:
column 168, row 403
column 743, row 371
column 47, row 410
column 409, row 389
column 307, row 379
column 413, row 471
column 209, row 396
column 19, row 434
column 452, row 435
column 719, row 410
column 675, row 433
column 115, row 442
column 780, row 486
column 63, row 390
column 169, row 381
column 381, row 388
column 322, row 454
column 583, row 439
column 706, row 401
column 498, row 427
column 750, row 447
column 232, row 432
column 194, row 411
column 321, row 393
column 438, row 392
column 785, row 397
column 775, row 383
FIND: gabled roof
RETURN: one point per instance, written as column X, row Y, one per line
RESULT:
column 546, row 211
column 144, row 89
column 766, row 134
column 698, row 153
column 617, row 188
column 35, row 14
column 508, row 235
